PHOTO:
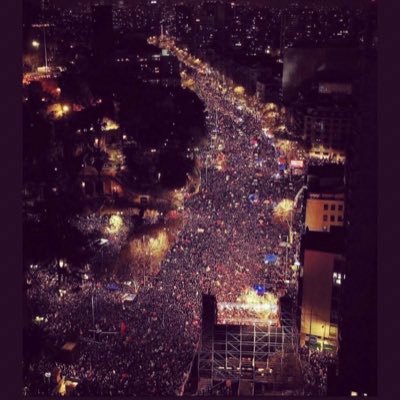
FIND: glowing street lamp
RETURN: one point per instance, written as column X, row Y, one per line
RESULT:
column 65, row 108
column 283, row 212
column 35, row 44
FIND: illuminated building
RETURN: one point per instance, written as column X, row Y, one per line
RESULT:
column 301, row 65
column 325, row 198
column 257, row 359
column 319, row 90
column 328, row 129
column 153, row 16
column 321, row 277
column 169, row 70
column 324, row 210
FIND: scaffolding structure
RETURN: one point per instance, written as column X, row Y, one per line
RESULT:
column 263, row 356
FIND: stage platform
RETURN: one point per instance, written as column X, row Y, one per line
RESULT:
column 265, row 355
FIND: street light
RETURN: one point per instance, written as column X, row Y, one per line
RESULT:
column 93, row 319
column 35, row 44
column 207, row 158
column 284, row 213
column 323, row 337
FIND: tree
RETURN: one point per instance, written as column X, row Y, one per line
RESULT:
column 100, row 159
column 283, row 213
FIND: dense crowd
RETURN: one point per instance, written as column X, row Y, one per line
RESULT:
column 220, row 250
column 315, row 370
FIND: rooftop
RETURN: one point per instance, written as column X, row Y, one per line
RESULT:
column 326, row 242
column 326, row 171
column 328, row 178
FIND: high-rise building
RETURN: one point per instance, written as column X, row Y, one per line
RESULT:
column 304, row 64
column 153, row 14
column 325, row 197
column 321, row 277
column 327, row 128
column 357, row 370
column 102, row 31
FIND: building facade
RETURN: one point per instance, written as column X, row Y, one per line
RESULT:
column 324, row 210
column 327, row 129
column 321, row 277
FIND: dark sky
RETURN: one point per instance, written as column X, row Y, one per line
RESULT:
column 274, row 3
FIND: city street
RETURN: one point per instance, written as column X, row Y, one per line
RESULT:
column 229, row 228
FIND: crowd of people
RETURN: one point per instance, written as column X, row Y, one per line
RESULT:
column 151, row 343
column 315, row 365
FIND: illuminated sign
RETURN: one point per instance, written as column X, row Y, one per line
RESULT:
column 327, row 196
column 331, row 87
column 297, row 164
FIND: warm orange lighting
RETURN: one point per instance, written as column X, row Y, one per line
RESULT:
column 115, row 224
column 251, row 306
column 239, row 90
column 109, row 125
column 283, row 210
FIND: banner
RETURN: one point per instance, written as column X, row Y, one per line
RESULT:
column 123, row 328
column 297, row 164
